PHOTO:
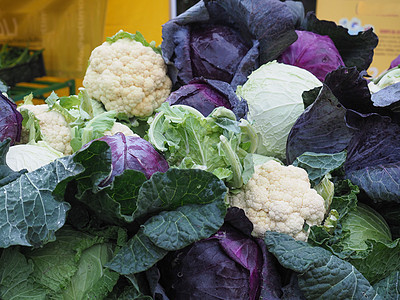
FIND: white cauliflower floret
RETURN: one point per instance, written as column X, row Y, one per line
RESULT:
column 54, row 128
column 127, row 77
column 280, row 198
column 119, row 127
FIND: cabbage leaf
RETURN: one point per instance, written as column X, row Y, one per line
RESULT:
column 389, row 287
column 321, row 274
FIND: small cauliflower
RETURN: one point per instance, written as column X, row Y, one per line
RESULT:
column 55, row 129
column 280, row 198
column 127, row 75
column 67, row 128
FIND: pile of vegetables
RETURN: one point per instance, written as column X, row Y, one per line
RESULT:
column 237, row 160
column 13, row 56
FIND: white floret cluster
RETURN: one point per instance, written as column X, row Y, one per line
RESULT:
column 127, row 77
column 56, row 131
column 54, row 128
column 280, row 198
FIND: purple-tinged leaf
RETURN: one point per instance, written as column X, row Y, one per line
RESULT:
column 373, row 158
column 206, row 94
column 10, row 120
column 351, row 89
column 321, row 128
column 238, row 38
column 134, row 153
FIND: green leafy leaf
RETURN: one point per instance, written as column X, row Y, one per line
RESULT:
column 378, row 261
column 360, row 235
column 389, row 287
column 30, row 213
column 114, row 204
column 31, row 123
column 185, row 205
column 173, row 230
column 178, row 187
column 92, row 280
column 212, row 143
column 15, row 282
column 318, row 165
column 321, row 275
column 138, row 255
column 135, row 37
column 56, row 262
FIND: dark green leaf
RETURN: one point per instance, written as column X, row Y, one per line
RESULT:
column 6, row 174
column 172, row 230
column 115, row 203
column 322, row 275
column 14, row 277
column 56, row 262
column 30, row 212
column 96, row 159
column 138, row 255
column 389, row 288
column 178, row 187
column 310, row 96
column 190, row 206
column 318, row 165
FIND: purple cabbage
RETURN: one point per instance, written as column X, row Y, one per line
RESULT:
column 395, row 62
column 134, row 153
column 216, row 51
column 313, row 52
column 355, row 50
column 322, row 127
column 373, row 158
column 226, row 40
column 345, row 116
column 229, row 265
column 205, row 95
column 10, row 120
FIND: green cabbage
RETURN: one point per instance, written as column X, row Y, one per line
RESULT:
column 274, row 96
column 364, row 224
column 217, row 143
column 72, row 267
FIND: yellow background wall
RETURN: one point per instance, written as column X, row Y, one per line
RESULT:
column 134, row 15
column 69, row 30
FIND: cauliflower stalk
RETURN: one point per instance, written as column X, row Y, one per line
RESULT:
column 280, row 198
column 128, row 75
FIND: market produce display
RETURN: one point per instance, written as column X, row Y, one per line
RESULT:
column 249, row 156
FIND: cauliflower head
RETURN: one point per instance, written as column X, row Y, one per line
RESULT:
column 119, row 127
column 127, row 77
column 55, row 129
column 280, row 198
